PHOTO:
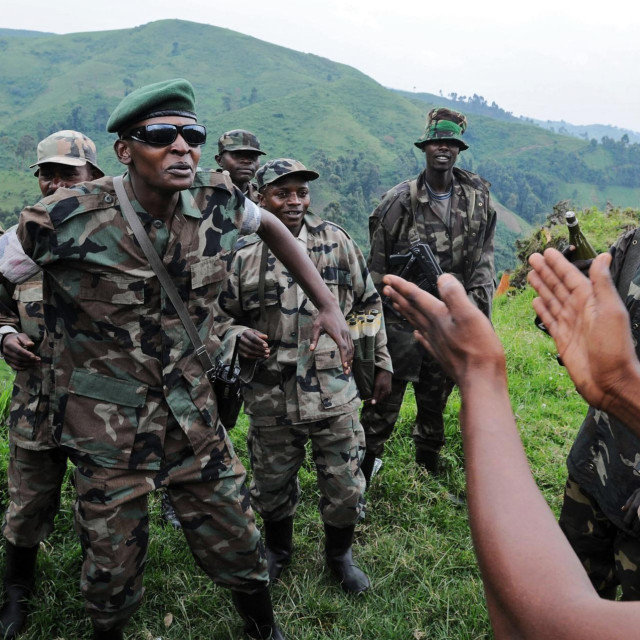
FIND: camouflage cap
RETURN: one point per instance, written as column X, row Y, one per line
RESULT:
column 239, row 140
column 67, row 147
column 167, row 98
column 273, row 170
column 444, row 124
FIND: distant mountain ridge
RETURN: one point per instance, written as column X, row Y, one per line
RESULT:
column 589, row 131
column 355, row 132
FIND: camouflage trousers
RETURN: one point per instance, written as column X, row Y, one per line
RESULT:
column 277, row 452
column 431, row 392
column 610, row 556
column 210, row 499
column 34, row 481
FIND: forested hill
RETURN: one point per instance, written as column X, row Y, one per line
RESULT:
column 356, row 133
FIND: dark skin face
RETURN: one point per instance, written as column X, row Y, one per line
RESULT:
column 241, row 165
column 440, row 155
column 288, row 199
column 158, row 174
column 52, row 176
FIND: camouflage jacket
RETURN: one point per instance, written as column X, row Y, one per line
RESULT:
column 252, row 188
column 294, row 384
column 21, row 307
column 605, row 457
column 464, row 248
column 121, row 358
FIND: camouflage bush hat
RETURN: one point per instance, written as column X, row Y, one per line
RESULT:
column 67, row 147
column 281, row 167
column 444, row 124
column 167, row 98
column 239, row 140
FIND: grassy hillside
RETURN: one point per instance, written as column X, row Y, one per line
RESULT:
column 358, row 134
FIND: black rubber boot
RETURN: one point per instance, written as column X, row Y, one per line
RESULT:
column 278, row 535
column 168, row 512
column 367, row 466
column 340, row 560
column 257, row 614
column 429, row 460
column 19, row 578
column 115, row 633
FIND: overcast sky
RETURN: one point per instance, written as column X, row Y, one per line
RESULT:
column 547, row 59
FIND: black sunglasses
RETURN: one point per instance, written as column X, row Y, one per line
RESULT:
column 162, row 134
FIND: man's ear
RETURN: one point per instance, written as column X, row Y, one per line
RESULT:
column 218, row 156
column 123, row 152
column 261, row 200
column 95, row 174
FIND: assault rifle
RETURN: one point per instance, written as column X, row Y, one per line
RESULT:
column 419, row 266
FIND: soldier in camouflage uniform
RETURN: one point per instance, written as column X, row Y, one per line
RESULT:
column 450, row 210
column 600, row 514
column 130, row 402
column 36, row 465
column 296, row 395
column 239, row 155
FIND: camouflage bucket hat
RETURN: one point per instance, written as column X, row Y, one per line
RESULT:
column 444, row 124
column 239, row 140
column 67, row 147
column 280, row 168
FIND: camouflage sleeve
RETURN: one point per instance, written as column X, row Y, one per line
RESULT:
column 37, row 234
column 366, row 297
column 619, row 252
column 481, row 285
column 228, row 312
column 250, row 212
column 380, row 243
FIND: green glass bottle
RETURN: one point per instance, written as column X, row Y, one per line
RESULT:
column 584, row 250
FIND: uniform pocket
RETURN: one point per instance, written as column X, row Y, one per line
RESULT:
column 208, row 271
column 336, row 388
column 101, row 414
column 112, row 289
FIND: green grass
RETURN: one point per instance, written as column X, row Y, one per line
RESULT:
column 414, row 542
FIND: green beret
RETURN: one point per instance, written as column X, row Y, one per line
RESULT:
column 167, row 98
column 444, row 124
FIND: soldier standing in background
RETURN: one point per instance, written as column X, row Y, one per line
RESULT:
column 239, row 155
column 296, row 395
column 36, row 464
column 131, row 403
column 450, row 210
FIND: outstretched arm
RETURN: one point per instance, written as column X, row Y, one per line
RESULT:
column 535, row 585
column 330, row 318
column 590, row 325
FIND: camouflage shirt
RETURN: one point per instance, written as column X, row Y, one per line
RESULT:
column 121, row 358
column 252, row 188
column 605, row 457
column 294, row 384
column 21, row 307
column 464, row 247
